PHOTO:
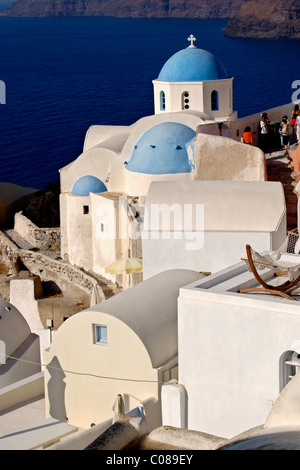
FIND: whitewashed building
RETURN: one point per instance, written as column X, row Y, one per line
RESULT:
column 205, row 225
column 126, row 345
column 237, row 352
column 122, row 161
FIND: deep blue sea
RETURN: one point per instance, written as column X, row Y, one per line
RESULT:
column 64, row 74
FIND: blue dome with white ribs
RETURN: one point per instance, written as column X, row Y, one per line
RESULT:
column 88, row 184
column 192, row 64
column 163, row 150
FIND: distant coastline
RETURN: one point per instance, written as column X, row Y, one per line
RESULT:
column 259, row 19
column 208, row 9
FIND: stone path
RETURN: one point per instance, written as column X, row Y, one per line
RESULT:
column 280, row 169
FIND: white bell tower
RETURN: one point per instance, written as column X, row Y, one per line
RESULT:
column 194, row 79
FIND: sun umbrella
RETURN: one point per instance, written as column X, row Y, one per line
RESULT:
column 125, row 266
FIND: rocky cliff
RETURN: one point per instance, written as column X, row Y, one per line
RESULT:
column 126, row 8
column 266, row 19
column 247, row 18
column 43, row 207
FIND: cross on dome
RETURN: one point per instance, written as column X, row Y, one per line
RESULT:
column 192, row 39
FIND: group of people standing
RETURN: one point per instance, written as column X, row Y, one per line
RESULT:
column 295, row 122
column 284, row 131
column 284, row 128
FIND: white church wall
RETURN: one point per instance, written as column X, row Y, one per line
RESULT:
column 109, row 231
column 97, row 134
column 77, row 230
column 139, row 183
column 224, row 91
column 63, row 212
column 174, row 100
column 237, row 381
column 198, row 97
column 99, row 162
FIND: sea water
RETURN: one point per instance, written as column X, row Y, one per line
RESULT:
column 63, row 75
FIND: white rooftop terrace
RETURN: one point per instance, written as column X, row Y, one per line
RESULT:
column 237, row 381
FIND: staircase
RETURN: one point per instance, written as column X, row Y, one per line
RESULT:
column 279, row 169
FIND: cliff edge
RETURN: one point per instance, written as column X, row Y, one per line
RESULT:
column 266, row 19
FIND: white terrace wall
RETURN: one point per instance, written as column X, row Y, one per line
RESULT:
column 275, row 114
column 237, row 343
column 218, row 158
column 235, row 128
column 19, row 392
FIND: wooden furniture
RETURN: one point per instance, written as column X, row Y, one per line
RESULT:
column 283, row 263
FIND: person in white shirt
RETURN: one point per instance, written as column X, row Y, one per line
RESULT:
column 264, row 132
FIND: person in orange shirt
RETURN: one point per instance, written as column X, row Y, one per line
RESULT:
column 247, row 136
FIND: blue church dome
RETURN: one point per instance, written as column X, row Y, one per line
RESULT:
column 192, row 64
column 88, row 184
column 163, row 150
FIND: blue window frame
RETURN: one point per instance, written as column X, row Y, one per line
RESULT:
column 100, row 334
column 162, row 101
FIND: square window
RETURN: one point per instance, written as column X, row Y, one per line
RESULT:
column 100, row 334
column 85, row 209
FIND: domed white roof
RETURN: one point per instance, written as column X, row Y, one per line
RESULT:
column 192, row 64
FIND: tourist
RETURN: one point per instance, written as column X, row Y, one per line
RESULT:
column 294, row 116
column 285, row 135
column 247, row 136
column 298, row 128
column 264, row 131
column 280, row 128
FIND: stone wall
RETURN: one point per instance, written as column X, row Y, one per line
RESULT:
column 41, row 238
column 70, row 279
column 67, row 277
column 8, row 255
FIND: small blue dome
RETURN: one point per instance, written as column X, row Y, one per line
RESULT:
column 192, row 64
column 163, row 150
column 88, row 184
